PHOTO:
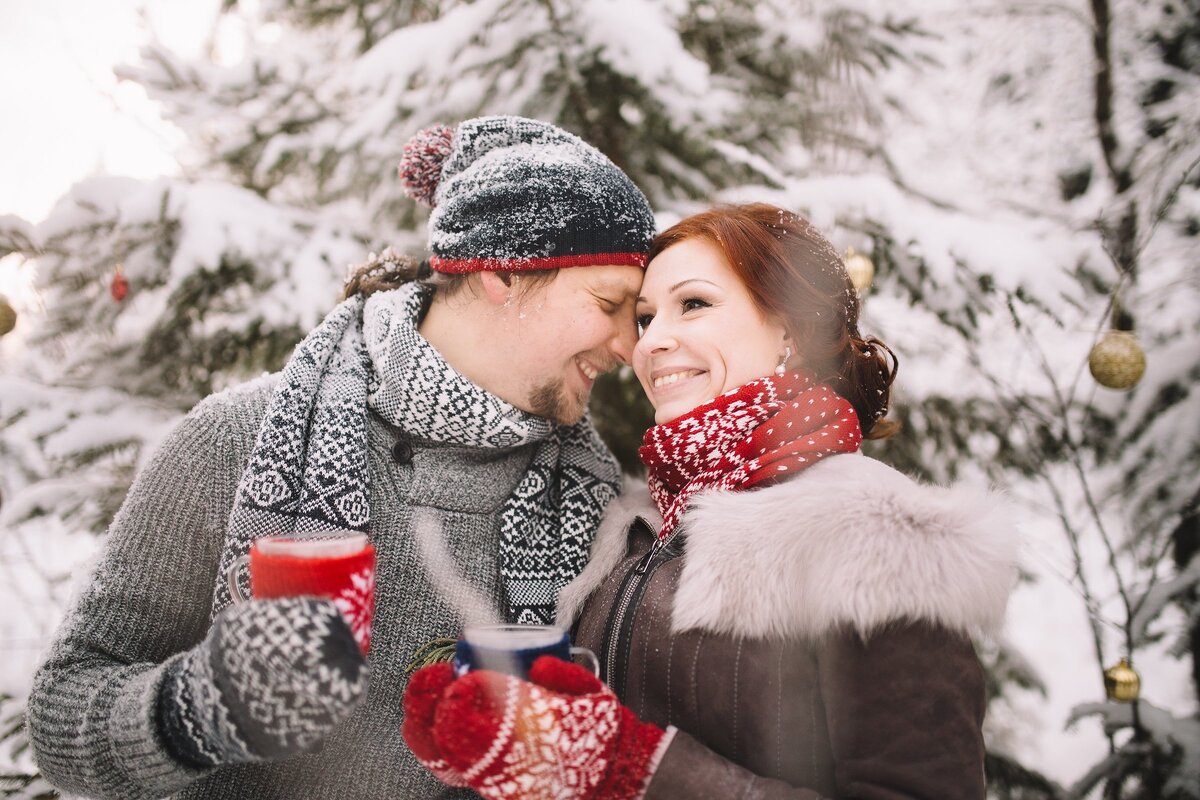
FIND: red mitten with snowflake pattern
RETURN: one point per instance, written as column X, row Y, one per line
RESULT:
column 563, row 733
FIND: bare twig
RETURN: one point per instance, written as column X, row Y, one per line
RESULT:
column 1161, row 213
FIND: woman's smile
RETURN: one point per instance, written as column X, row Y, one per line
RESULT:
column 672, row 378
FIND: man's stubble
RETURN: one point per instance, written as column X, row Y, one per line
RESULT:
column 550, row 400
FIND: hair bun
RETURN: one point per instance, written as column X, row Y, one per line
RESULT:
column 421, row 164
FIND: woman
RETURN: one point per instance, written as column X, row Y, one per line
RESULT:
column 788, row 618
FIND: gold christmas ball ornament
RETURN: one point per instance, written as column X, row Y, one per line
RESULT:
column 8, row 316
column 861, row 269
column 1117, row 361
column 1121, row 683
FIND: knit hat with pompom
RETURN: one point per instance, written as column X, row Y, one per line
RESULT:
column 513, row 194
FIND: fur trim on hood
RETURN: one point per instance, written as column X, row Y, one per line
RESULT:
column 850, row 542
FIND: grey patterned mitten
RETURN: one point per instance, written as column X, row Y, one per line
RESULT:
column 270, row 680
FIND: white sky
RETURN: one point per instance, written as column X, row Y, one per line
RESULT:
column 66, row 115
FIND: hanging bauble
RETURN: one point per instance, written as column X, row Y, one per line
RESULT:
column 1117, row 361
column 120, row 286
column 1121, row 683
column 861, row 270
column 8, row 316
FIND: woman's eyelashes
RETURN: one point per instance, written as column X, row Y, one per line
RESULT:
column 685, row 305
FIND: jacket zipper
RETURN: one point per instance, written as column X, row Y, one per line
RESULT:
column 619, row 631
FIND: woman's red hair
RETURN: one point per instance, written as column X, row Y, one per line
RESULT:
column 796, row 276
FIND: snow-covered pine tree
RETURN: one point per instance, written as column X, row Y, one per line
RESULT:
column 291, row 153
column 695, row 96
column 154, row 293
column 1114, row 86
column 1145, row 502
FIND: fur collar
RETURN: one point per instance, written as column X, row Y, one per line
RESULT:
column 850, row 542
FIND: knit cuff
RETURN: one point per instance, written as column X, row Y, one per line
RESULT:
column 636, row 754
column 137, row 745
column 193, row 718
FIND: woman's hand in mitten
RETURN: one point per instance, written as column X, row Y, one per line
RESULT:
column 562, row 733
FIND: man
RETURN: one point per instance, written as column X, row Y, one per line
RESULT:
column 445, row 417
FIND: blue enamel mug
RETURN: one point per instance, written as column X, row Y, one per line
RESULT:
column 512, row 649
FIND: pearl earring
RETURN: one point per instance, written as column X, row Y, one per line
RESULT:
column 782, row 368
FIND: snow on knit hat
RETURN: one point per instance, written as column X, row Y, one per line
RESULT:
column 511, row 194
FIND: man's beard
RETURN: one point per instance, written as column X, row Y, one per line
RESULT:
column 551, row 401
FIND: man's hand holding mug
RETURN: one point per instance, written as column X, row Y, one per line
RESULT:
column 280, row 669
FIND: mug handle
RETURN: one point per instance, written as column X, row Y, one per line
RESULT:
column 589, row 656
column 235, row 588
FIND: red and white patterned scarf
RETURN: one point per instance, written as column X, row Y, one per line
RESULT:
column 763, row 430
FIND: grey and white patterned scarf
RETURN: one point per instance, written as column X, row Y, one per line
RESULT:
column 308, row 470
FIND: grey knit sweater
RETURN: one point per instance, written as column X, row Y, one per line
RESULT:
column 91, row 713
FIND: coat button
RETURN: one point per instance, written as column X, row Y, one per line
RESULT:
column 402, row 452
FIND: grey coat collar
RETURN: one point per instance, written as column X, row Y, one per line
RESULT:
column 850, row 542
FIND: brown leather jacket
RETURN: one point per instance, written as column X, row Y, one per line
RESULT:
column 808, row 640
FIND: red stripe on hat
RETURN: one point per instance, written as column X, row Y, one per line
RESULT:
column 464, row 265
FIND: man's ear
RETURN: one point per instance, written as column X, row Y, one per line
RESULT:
column 496, row 289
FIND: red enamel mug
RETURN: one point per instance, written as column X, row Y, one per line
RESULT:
column 339, row 565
